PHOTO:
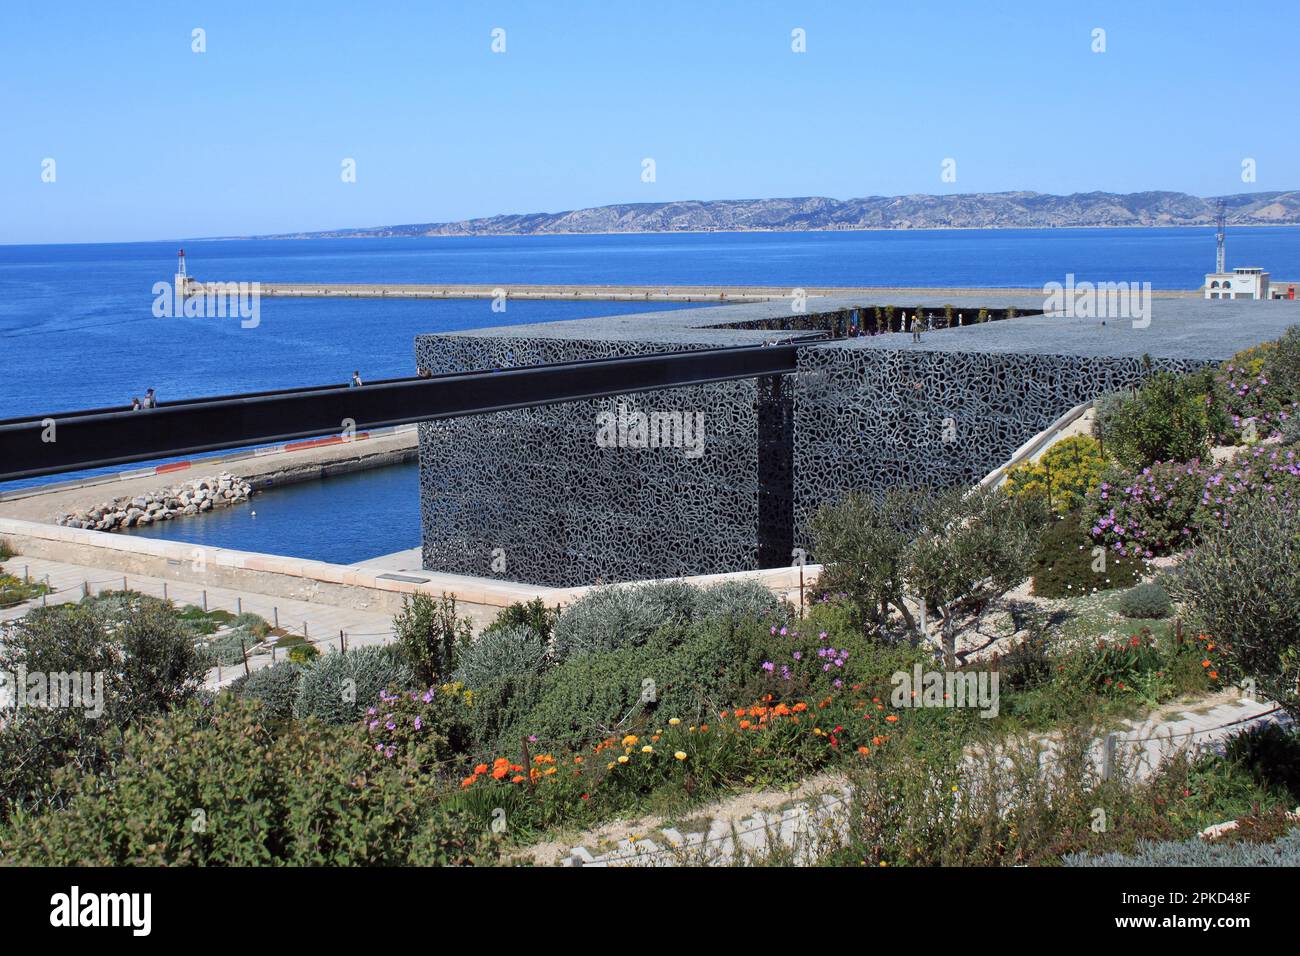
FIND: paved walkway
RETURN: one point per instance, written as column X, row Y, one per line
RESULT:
column 320, row 623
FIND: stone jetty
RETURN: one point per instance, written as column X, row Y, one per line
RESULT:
column 188, row 498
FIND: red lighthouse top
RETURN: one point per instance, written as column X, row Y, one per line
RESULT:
column 181, row 254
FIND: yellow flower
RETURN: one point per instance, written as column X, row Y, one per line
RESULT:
column 629, row 740
column 674, row 721
column 610, row 765
column 647, row 749
column 623, row 759
column 680, row 755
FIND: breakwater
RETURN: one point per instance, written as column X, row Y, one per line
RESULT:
column 622, row 293
column 192, row 497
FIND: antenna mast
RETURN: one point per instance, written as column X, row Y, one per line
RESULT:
column 1221, row 252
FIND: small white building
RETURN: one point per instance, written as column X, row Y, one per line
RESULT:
column 1244, row 282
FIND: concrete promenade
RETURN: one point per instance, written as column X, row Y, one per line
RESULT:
column 321, row 624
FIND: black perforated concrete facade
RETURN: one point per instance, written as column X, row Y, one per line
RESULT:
column 574, row 494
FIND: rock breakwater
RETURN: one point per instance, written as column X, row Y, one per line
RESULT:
column 192, row 497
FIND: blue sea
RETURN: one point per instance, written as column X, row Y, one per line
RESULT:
column 77, row 328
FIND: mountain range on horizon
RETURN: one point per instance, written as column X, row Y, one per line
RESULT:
column 1003, row 210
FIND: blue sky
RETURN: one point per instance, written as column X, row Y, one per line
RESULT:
column 153, row 141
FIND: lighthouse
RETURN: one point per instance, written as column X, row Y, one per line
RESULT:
column 182, row 278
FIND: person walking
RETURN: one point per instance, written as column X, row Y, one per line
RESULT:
column 356, row 379
column 150, row 399
column 916, row 327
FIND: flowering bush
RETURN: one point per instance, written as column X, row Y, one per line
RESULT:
column 1265, row 470
column 1147, row 513
column 1065, row 474
column 423, row 727
column 1259, row 385
column 1139, row 667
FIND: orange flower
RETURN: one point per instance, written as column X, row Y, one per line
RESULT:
column 517, row 778
column 864, row 750
column 468, row 781
column 1214, row 675
column 1205, row 663
column 500, row 771
column 892, row 718
column 800, row 707
column 745, row 725
column 481, row 768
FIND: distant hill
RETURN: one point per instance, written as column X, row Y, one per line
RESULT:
column 969, row 211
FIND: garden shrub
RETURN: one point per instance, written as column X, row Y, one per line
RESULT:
column 1255, row 473
column 610, row 618
column 687, row 673
column 420, row 729
column 275, row 687
column 736, row 601
column 303, row 653
column 1167, row 420
column 1261, row 385
column 307, row 796
column 431, row 634
column 1199, row 853
column 1149, row 512
column 336, row 688
column 534, row 615
column 1069, row 564
column 1135, row 668
column 1240, row 585
column 147, row 656
column 501, row 706
column 1062, row 478
column 501, row 653
column 1271, row 754
column 1145, row 601
column 452, row 838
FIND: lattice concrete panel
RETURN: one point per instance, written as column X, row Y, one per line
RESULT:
column 528, row 495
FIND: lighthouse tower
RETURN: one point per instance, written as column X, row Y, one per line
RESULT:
column 182, row 278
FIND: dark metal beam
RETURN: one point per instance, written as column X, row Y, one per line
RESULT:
column 95, row 438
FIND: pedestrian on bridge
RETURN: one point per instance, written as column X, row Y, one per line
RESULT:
column 356, row 380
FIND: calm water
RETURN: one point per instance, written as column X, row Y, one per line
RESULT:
column 342, row 519
column 77, row 329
